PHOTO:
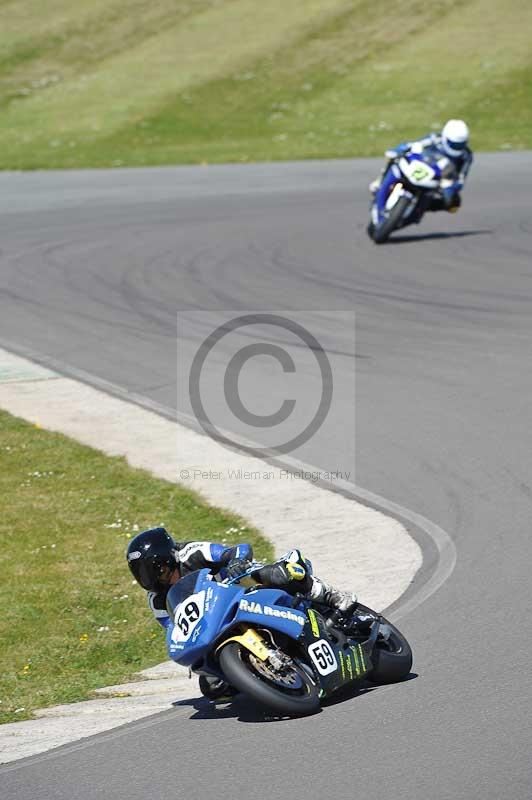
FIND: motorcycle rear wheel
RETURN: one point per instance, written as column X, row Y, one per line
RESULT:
column 238, row 667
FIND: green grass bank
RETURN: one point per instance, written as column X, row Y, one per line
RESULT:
column 72, row 620
column 116, row 83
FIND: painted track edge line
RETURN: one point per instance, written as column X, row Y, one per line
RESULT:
column 89, row 741
column 422, row 586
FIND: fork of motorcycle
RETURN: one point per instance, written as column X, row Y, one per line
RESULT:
column 252, row 641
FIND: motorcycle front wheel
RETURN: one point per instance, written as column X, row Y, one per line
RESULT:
column 381, row 233
column 293, row 693
column 392, row 658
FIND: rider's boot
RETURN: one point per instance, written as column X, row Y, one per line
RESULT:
column 445, row 201
column 295, row 576
column 321, row 592
column 215, row 689
column 454, row 203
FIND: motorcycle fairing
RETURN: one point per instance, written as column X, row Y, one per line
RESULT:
column 337, row 659
column 420, row 170
column 203, row 611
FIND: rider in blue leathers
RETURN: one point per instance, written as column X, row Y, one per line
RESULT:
column 451, row 152
column 157, row 562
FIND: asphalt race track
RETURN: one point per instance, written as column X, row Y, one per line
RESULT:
column 92, row 270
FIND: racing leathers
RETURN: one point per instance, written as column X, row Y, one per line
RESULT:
column 431, row 148
column 293, row 573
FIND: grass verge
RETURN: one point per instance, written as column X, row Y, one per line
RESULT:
column 72, row 620
column 97, row 84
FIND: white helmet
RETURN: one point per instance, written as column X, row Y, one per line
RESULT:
column 454, row 136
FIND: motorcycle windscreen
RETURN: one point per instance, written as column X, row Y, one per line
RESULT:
column 181, row 590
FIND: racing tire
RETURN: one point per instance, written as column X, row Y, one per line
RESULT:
column 239, row 671
column 392, row 660
column 381, row 233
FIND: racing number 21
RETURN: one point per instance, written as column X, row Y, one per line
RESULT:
column 323, row 656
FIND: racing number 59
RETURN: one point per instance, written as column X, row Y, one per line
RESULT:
column 189, row 614
column 323, row 656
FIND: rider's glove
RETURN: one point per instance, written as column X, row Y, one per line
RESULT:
column 399, row 150
column 237, row 567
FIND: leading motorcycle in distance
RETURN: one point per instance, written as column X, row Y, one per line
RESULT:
column 410, row 184
column 283, row 651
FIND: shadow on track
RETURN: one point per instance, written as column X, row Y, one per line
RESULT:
column 352, row 692
column 244, row 709
column 443, row 235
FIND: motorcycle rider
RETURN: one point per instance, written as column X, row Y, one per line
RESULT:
column 451, row 145
column 157, row 562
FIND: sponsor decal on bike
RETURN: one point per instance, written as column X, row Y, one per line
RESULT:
column 349, row 665
column 353, row 662
column 342, row 665
column 208, row 598
column 362, row 658
column 313, row 622
column 196, row 634
column 254, row 607
column 357, row 665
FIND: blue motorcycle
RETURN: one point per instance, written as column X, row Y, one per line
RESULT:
column 282, row 651
column 412, row 183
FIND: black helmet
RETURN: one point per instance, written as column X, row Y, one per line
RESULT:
column 151, row 556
